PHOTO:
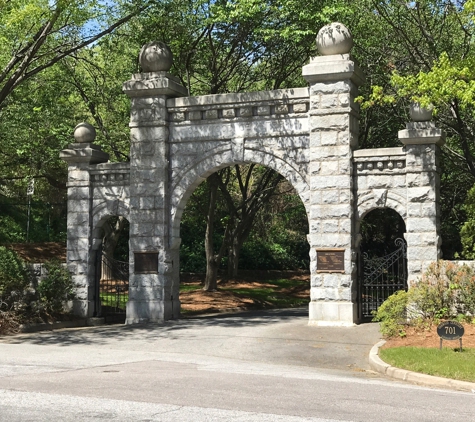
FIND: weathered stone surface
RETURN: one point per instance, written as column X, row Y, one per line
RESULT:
column 308, row 135
column 229, row 113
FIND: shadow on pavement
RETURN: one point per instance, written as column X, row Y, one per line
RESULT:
column 153, row 331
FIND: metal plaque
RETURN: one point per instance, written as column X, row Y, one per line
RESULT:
column 146, row 262
column 330, row 260
column 450, row 330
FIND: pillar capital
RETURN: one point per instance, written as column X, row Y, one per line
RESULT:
column 337, row 67
column 83, row 153
column 421, row 133
column 152, row 84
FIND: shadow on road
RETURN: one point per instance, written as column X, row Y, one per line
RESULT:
column 153, row 331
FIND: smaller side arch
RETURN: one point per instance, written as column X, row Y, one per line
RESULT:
column 101, row 213
column 380, row 198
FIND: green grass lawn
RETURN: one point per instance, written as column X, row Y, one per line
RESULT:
column 448, row 362
column 110, row 299
column 190, row 287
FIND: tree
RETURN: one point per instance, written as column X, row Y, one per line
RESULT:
column 422, row 51
column 255, row 186
column 36, row 34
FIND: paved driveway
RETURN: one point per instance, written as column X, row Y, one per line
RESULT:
column 262, row 366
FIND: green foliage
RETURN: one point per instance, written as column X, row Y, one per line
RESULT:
column 445, row 291
column 392, row 315
column 467, row 233
column 56, row 288
column 277, row 240
column 435, row 296
column 13, row 278
column 280, row 254
column 421, row 51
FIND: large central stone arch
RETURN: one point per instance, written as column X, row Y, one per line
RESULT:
column 309, row 135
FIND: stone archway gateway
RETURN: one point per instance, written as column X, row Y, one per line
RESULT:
column 309, row 135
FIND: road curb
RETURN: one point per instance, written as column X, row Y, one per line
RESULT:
column 378, row 365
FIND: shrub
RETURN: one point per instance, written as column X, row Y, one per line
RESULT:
column 435, row 294
column 392, row 314
column 13, row 277
column 446, row 290
column 56, row 288
column 14, row 283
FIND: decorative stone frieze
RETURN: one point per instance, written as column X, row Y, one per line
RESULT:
column 379, row 161
column 181, row 111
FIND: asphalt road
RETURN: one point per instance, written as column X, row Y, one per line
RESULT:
column 264, row 366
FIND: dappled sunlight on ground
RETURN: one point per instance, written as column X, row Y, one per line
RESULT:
column 231, row 294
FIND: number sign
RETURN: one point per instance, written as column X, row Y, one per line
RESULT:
column 450, row 330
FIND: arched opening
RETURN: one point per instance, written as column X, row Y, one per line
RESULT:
column 251, row 224
column 112, row 270
column 382, row 268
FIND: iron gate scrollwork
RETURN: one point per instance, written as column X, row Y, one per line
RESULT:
column 112, row 288
column 380, row 277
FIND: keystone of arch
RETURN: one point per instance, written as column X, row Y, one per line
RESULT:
column 381, row 198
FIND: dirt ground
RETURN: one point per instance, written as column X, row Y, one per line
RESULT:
column 199, row 301
column 430, row 338
column 39, row 252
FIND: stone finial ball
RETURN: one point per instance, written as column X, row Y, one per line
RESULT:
column 84, row 132
column 419, row 113
column 155, row 56
column 334, row 38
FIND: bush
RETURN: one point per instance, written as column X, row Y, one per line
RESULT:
column 446, row 290
column 14, row 284
column 392, row 315
column 435, row 295
column 56, row 288
column 13, row 277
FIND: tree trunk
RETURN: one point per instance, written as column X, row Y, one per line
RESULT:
column 212, row 263
column 233, row 256
column 112, row 235
column 243, row 214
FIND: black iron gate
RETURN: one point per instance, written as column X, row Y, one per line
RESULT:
column 379, row 278
column 112, row 288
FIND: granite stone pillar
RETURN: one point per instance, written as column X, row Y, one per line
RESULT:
column 151, row 264
column 333, row 129
column 422, row 142
column 80, row 256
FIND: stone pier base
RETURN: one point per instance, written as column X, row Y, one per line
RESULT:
column 335, row 314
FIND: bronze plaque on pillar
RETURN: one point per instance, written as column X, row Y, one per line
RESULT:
column 330, row 260
column 146, row 262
